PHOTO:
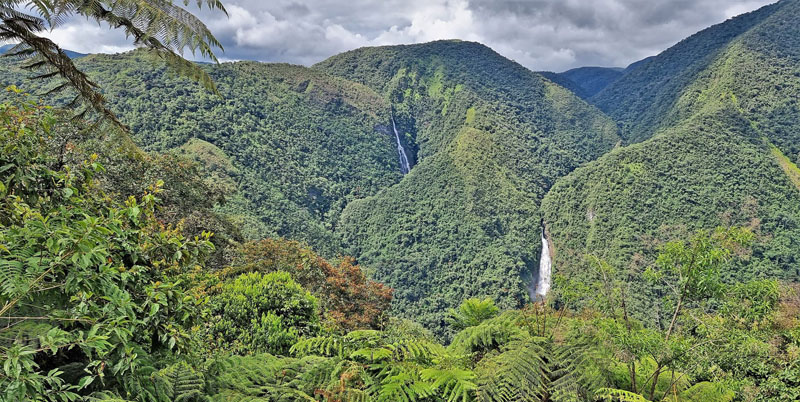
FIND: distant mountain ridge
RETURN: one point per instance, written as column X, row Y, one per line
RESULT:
column 646, row 95
column 593, row 79
column 70, row 53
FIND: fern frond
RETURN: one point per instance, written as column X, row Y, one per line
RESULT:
column 184, row 383
column 320, row 345
column 472, row 312
column 489, row 334
column 576, row 371
column 706, row 392
column 404, row 386
column 517, row 374
column 611, row 394
column 455, row 384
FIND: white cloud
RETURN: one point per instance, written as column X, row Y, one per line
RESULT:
column 88, row 37
column 540, row 34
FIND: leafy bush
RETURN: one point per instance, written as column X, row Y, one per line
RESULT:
column 90, row 289
column 261, row 313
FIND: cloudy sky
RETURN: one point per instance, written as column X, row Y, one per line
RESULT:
column 541, row 34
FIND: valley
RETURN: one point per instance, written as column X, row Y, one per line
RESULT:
column 423, row 222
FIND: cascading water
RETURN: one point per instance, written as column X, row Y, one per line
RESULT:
column 405, row 167
column 545, row 267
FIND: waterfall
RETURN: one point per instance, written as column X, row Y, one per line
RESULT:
column 543, row 282
column 405, row 167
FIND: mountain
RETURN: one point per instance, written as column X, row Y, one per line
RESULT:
column 593, row 79
column 565, row 82
column 636, row 64
column 291, row 145
column 312, row 155
column 436, row 164
column 749, row 56
column 490, row 137
column 70, row 53
column 711, row 170
column 715, row 127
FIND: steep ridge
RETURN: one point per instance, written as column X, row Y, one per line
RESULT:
column 490, row 138
column 711, row 170
column 294, row 145
column 721, row 115
column 647, row 94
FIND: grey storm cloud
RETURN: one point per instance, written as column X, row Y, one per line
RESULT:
column 540, row 34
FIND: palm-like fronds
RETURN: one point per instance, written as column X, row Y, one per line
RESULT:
column 577, row 372
column 610, row 394
column 160, row 25
column 471, row 313
column 402, row 382
column 453, row 384
column 706, row 392
column 519, row 373
column 489, row 334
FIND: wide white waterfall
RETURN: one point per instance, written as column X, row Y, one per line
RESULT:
column 543, row 283
column 405, row 167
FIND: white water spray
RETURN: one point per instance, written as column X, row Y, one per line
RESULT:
column 405, row 167
column 545, row 267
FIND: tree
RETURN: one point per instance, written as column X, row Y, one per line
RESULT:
column 160, row 25
column 472, row 312
column 262, row 313
column 346, row 296
column 688, row 271
column 691, row 271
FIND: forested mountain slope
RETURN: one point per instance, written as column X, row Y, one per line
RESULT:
column 648, row 96
column 72, row 54
column 291, row 145
column 490, row 137
column 721, row 112
column 712, row 170
column 593, row 79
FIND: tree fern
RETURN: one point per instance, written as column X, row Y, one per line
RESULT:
column 159, row 25
column 472, row 312
column 331, row 345
column 577, row 371
column 517, row 374
column 489, row 334
column 266, row 378
column 611, row 394
column 454, row 384
column 705, row 392
column 403, row 383
column 184, row 383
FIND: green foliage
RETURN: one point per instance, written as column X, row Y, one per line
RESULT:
column 489, row 137
column 626, row 204
column 348, row 299
column 185, row 383
column 472, row 312
column 258, row 313
column 163, row 27
column 91, row 288
column 291, row 146
column 644, row 99
column 706, row 391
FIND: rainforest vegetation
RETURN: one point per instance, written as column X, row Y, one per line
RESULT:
column 178, row 231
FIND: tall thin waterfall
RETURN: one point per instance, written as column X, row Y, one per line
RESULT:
column 405, row 167
column 543, row 284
